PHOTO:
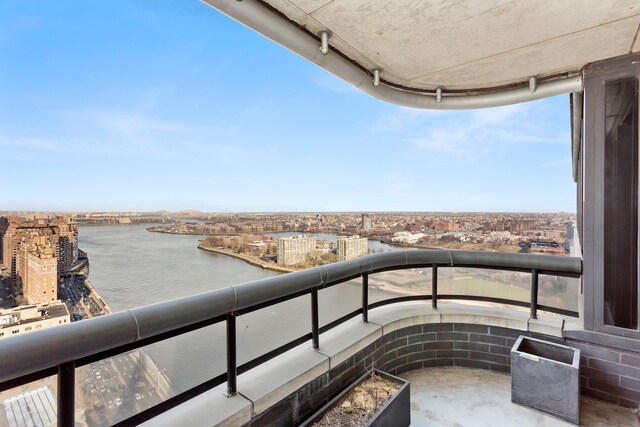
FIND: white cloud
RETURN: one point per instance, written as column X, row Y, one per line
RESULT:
column 474, row 134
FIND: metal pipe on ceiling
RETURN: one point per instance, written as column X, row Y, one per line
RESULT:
column 259, row 18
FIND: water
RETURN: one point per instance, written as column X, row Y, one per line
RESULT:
column 131, row 267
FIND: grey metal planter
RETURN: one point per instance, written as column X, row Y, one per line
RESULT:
column 546, row 376
column 395, row 413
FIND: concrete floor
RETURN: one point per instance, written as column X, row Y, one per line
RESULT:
column 458, row 397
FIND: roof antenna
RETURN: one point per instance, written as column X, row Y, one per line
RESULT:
column 439, row 95
column 533, row 84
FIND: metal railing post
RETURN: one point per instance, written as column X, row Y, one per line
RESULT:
column 434, row 286
column 534, row 294
column 315, row 323
column 66, row 394
column 232, row 368
column 365, row 297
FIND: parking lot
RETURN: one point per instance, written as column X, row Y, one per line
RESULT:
column 77, row 297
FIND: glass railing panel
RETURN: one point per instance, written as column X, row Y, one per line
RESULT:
column 116, row 388
column 339, row 300
column 398, row 283
column 269, row 328
column 559, row 292
column 510, row 285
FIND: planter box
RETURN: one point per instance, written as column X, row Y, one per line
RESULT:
column 546, row 376
column 396, row 412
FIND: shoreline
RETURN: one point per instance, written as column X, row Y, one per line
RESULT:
column 93, row 293
column 248, row 260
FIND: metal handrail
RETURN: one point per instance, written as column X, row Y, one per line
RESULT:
column 29, row 357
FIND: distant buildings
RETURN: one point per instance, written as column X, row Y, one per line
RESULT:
column 36, row 252
column 352, row 247
column 406, row 238
column 30, row 318
column 293, row 250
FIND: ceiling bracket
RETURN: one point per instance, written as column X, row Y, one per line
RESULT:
column 324, row 41
column 376, row 76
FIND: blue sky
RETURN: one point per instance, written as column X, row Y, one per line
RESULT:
column 165, row 104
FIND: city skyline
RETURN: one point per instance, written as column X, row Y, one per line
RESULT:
column 143, row 107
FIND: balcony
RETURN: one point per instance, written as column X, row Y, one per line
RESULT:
column 376, row 334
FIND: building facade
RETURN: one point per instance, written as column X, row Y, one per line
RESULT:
column 352, row 247
column 40, row 284
column 19, row 238
column 293, row 250
column 367, row 224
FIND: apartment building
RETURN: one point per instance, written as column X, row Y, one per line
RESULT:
column 62, row 233
column 367, row 224
column 352, row 247
column 293, row 250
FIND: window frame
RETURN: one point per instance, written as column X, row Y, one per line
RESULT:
column 591, row 188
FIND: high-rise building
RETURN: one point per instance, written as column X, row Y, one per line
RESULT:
column 41, row 283
column 293, row 250
column 67, row 247
column 4, row 224
column 20, row 239
column 9, row 246
column 352, row 247
column 367, row 224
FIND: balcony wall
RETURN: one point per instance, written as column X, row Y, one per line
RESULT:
column 400, row 338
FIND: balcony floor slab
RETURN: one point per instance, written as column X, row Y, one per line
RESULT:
column 456, row 397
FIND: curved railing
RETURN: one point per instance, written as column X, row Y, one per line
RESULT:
column 58, row 351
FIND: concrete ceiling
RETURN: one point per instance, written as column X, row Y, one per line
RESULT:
column 470, row 44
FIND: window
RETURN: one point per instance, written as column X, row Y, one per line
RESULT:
column 621, row 204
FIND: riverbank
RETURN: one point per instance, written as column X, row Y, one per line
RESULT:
column 249, row 260
column 458, row 246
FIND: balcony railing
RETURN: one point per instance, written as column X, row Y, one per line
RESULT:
column 60, row 350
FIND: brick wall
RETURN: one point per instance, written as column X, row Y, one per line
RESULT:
column 607, row 374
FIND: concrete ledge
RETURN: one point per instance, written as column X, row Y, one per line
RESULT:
column 483, row 315
column 274, row 380
column 346, row 340
column 211, row 408
column 398, row 316
column 548, row 325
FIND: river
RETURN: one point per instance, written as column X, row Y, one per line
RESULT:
column 131, row 267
